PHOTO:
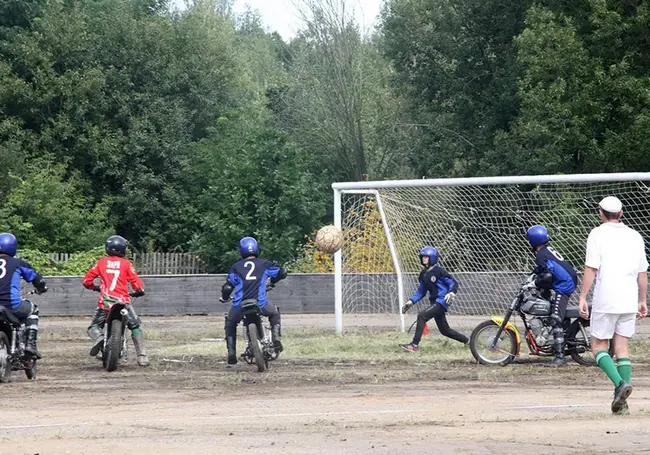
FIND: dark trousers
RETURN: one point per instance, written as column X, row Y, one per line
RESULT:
column 560, row 302
column 27, row 312
column 438, row 313
column 99, row 318
column 235, row 316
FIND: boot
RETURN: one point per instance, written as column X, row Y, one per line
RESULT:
column 31, row 349
column 559, row 357
column 97, row 335
column 138, row 343
column 231, row 345
column 558, row 347
column 277, row 338
column 557, row 362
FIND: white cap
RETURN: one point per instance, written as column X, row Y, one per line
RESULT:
column 611, row 204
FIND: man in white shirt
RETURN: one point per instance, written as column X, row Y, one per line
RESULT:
column 616, row 259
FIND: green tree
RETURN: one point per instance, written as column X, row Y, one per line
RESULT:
column 456, row 66
column 116, row 92
column 48, row 212
column 251, row 179
column 584, row 94
column 338, row 103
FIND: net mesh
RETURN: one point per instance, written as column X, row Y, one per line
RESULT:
column 480, row 233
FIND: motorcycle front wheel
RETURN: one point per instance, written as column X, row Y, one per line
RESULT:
column 482, row 339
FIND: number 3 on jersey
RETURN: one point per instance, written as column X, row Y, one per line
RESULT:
column 3, row 268
column 249, row 276
column 116, row 276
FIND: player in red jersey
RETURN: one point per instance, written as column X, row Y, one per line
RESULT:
column 115, row 274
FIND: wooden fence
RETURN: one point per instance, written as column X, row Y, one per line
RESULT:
column 156, row 263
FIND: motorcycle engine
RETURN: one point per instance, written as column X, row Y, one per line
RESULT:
column 541, row 330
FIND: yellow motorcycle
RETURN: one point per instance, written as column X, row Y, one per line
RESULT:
column 497, row 341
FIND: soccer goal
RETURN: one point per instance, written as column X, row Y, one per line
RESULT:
column 478, row 225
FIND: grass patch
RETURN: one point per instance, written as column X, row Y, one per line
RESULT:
column 370, row 346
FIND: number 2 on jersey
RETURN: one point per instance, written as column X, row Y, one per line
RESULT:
column 116, row 276
column 249, row 275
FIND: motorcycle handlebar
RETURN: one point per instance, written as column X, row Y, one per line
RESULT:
column 269, row 287
column 131, row 294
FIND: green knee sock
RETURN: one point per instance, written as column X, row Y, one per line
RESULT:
column 625, row 369
column 606, row 364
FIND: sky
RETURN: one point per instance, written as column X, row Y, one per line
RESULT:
column 281, row 15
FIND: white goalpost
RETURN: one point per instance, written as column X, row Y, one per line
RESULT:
column 478, row 225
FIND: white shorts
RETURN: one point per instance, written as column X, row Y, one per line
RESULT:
column 605, row 325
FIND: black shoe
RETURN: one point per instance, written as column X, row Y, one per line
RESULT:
column 620, row 396
column 624, row 411
column 99, row 344
column 277, row 344
column 232, row 359
column 31, row 352
column 556, row 362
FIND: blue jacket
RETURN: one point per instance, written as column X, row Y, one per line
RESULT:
column 12, row 270
column 248, row 278
column 565, row 277
column 437, row 282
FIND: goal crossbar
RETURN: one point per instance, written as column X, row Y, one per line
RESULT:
column 481, row 181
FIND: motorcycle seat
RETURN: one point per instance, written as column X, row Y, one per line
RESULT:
column 249, row 306
column 6, row 314
column 573, row 312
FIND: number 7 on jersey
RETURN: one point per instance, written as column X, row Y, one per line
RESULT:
column 116, row 276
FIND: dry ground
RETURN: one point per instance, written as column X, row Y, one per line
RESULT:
column 358, row 394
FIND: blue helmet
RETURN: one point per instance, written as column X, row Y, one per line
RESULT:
column 431, row 253
column 537, row 235
column 248, row 247
column 8, row 244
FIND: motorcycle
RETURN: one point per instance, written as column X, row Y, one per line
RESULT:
column 115, row 326
column 12, row 347
column 497, row 340
column 259, row 343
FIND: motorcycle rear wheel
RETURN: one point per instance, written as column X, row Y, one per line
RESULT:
column 113, row 347
column 256, row 348
column 5, row 363
column 579, row 348
column 483, row 335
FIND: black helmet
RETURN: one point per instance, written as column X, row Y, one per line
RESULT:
column 116, row 246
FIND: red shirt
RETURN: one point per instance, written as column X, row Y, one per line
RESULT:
column 115, row 274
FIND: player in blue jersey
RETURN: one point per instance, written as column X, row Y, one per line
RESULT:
column 247, row 280
column 442, row 288
column 12, row 271
column 553, row 272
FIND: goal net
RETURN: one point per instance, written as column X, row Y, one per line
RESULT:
column 479, row 227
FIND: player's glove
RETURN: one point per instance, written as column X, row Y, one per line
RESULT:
column 449, row 298
column 407, row 306
column 41, row 290
column 137, row 293
column 96, row 288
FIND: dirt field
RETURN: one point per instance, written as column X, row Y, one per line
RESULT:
column 355, row 395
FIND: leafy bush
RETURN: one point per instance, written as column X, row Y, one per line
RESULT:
column 77, row 265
